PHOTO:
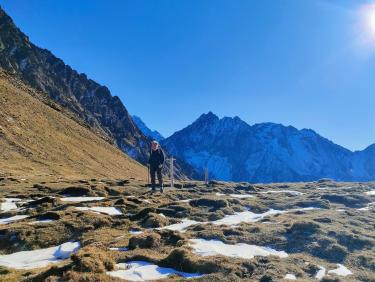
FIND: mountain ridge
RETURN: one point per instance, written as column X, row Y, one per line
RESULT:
column 87, row 100
column 153, row 134
column 266, row 152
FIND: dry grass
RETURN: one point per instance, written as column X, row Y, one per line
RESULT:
column 324, row 236
column 37, row 139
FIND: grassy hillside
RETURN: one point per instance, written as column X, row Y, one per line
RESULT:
column 37, row 139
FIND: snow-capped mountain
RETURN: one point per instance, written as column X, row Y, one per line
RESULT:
column 233, row 150
column 153, row 134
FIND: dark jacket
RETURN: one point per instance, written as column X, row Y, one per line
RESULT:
column 156, row 158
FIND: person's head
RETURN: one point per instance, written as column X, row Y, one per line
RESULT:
column 154, row 145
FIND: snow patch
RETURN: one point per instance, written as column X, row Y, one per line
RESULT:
column 367, row 207
column 43, row 221
column 105, row 210
column 120, row 249
column 290, row 276
column 12, row 219
column 184, row 224
column 240, row 196
column 321, row 272
column 185, row 201
column 204, row 247
column 341, row 270
column 371, row 193
column 145, row 271
column 9, row 204
column 81, row 199
column 232, row 220
column 39, row 258
column 248, row 216
column 135, row 232
column 291, row 192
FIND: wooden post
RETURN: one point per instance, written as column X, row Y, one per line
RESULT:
column 206, row 176
column 171, row 170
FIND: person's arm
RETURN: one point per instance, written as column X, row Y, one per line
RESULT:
column 161, row 157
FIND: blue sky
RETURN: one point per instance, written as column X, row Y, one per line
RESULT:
column 300, row 63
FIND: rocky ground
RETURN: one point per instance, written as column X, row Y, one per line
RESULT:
column 218, row 232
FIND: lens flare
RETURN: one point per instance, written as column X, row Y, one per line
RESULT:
column 367, row 15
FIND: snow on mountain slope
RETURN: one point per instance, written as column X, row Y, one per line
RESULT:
column 267, row 152
column 155, row 135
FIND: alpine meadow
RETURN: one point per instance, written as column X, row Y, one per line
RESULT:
column 205, row 141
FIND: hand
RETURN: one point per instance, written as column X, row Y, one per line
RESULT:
column 161, row 166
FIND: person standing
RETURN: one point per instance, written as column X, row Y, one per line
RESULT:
column 156, row 162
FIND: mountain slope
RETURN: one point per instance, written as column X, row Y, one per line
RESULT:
column 153, row 134
column 87, row 100
column 38, row 139
column 267, row 152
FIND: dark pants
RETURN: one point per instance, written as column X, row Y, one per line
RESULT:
column 153, row 171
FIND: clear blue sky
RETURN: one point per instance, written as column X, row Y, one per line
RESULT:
column 293, row 62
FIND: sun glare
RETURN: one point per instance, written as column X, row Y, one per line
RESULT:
column 367, row 13
column 369, row 17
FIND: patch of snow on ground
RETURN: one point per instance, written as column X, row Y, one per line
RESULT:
column 81, row 199
column 39, row 258
column 43, row 221
column 246, row 216
column 9, row 204
column 135, row 232
column 145, row 271
column 185, row 201
column 290, row 276
column 321, row 272
column 232, row 220
column 204, row 247
column 105, row 210
column 371, row 193
column 185, row 223
column 120, row 249
column 240, row 196
column 12, row 219
column 341, row 270
column 367, row 208
column 295, row 193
